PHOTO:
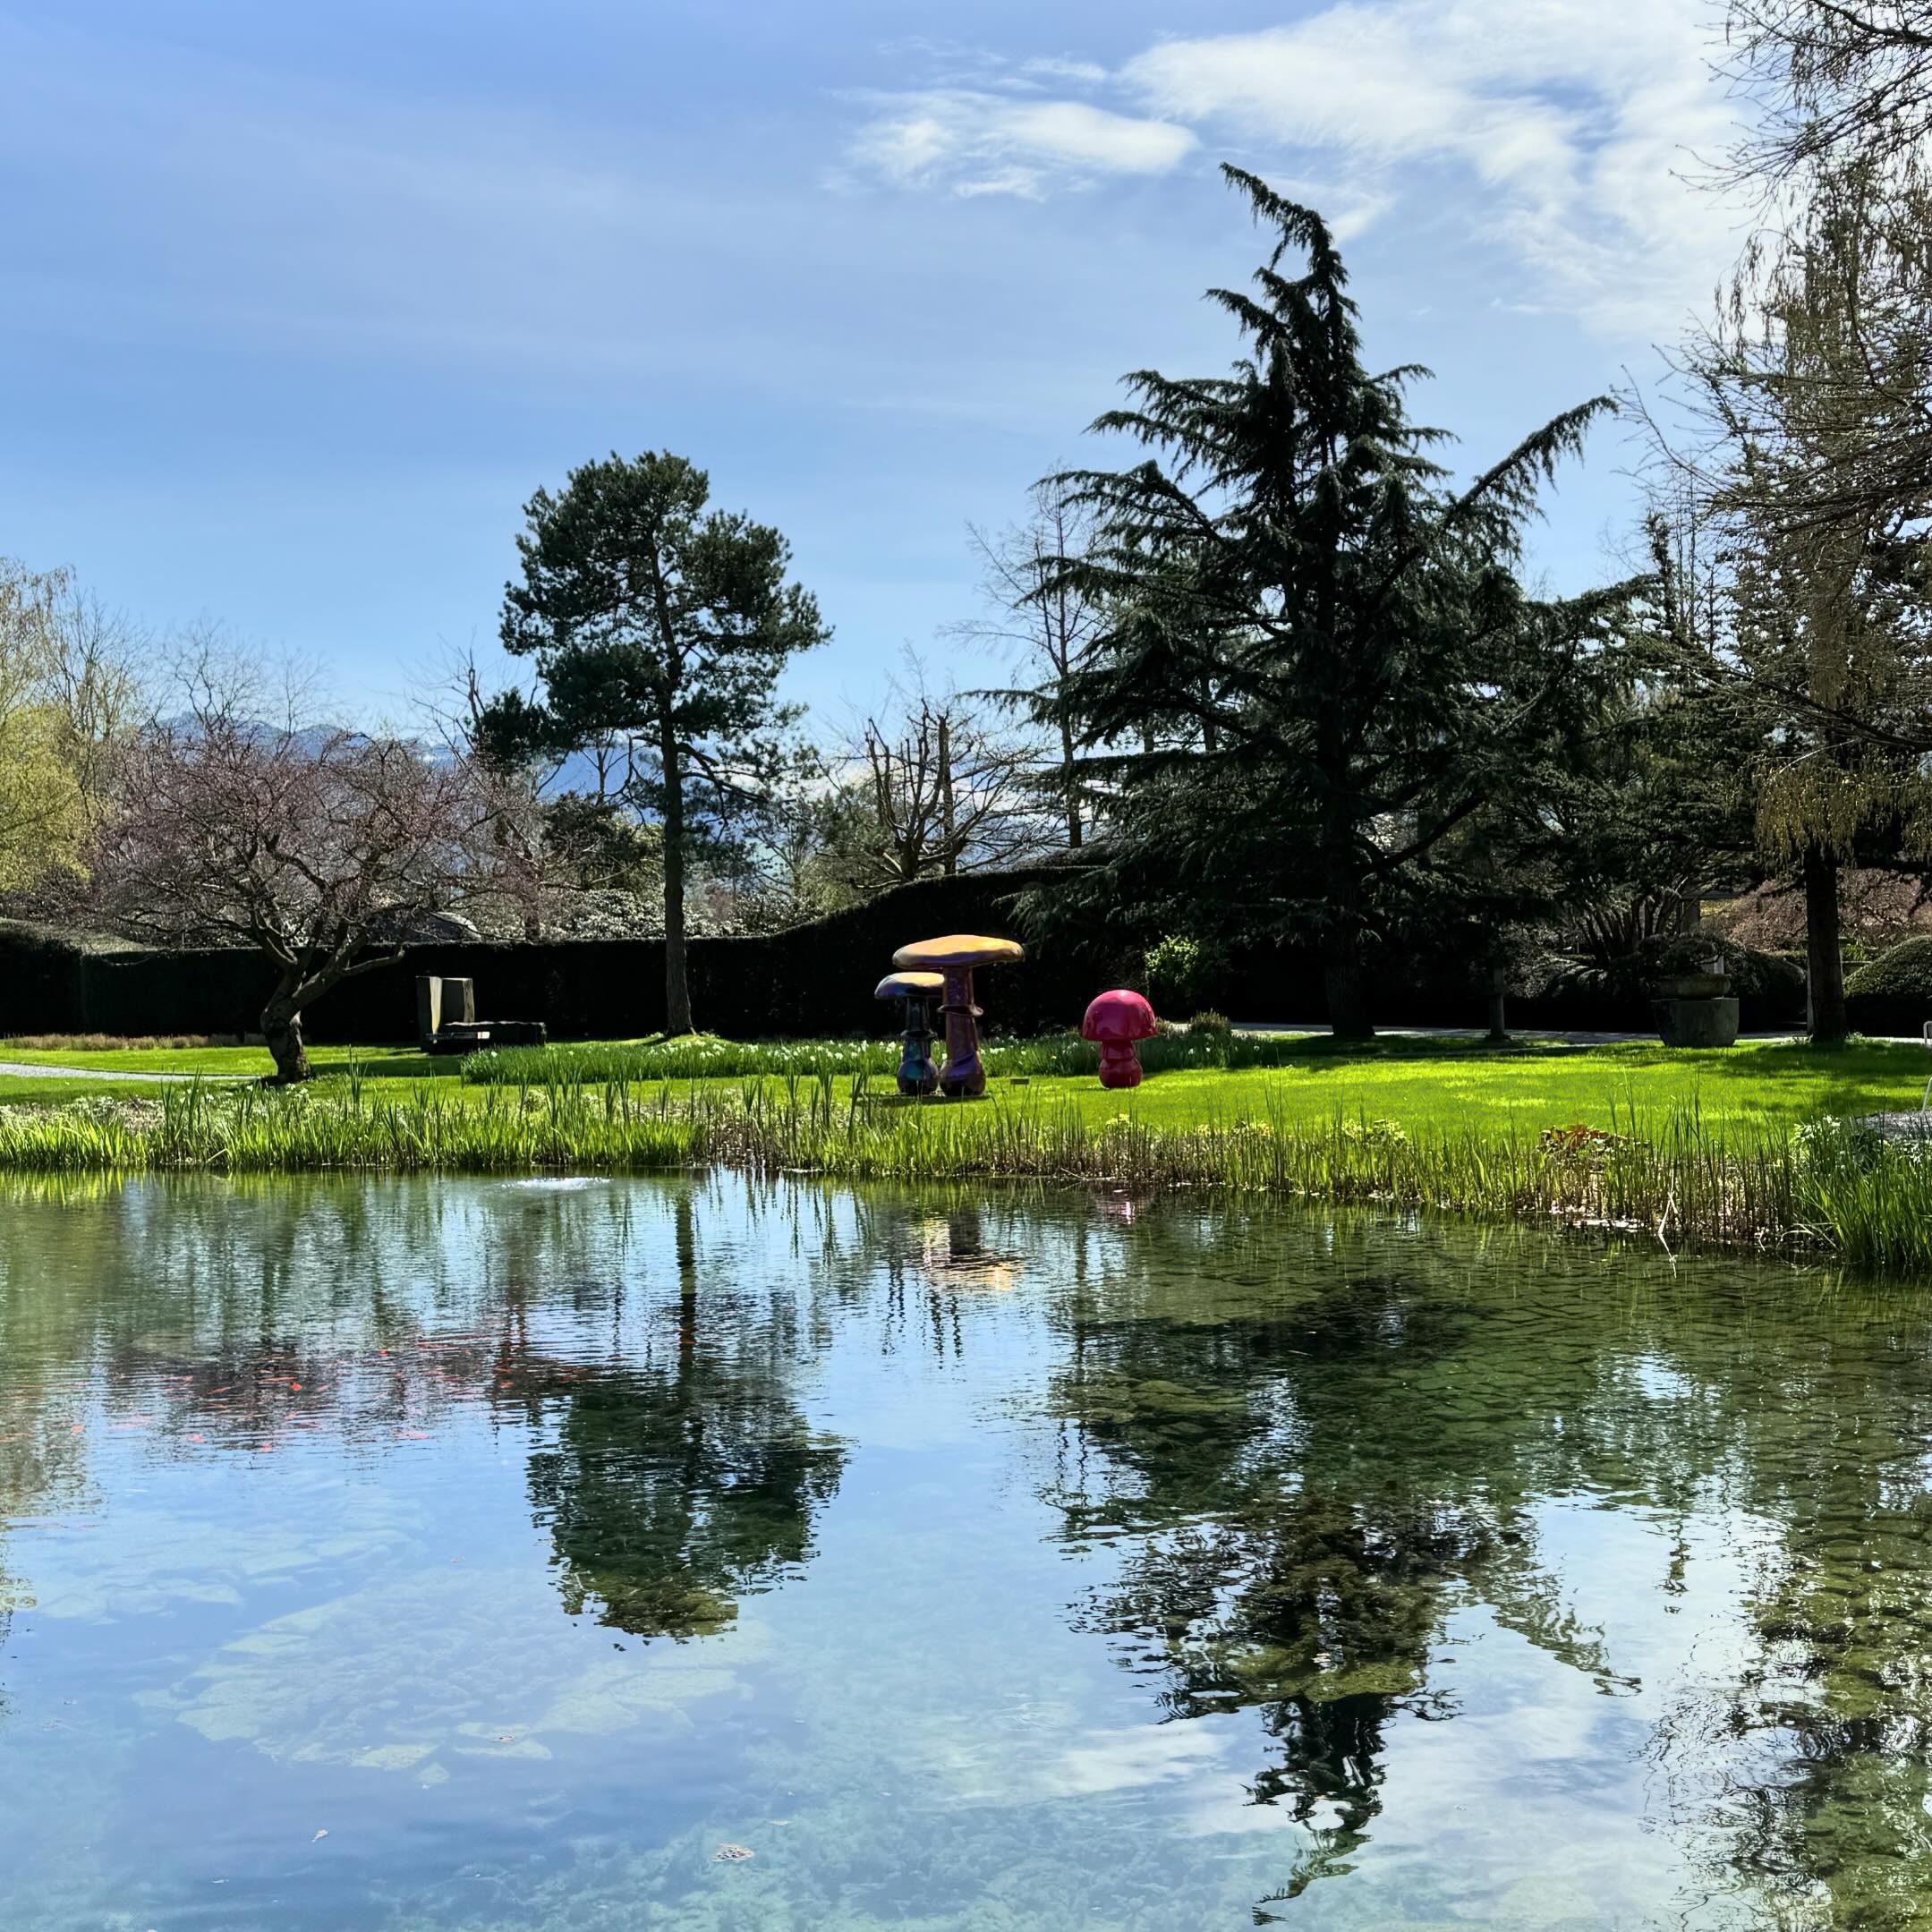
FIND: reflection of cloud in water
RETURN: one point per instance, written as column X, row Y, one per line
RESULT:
column 415, row 1676
column 1013, row 1766
column 158, row 1562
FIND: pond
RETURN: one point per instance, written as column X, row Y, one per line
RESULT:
column 629, row 1555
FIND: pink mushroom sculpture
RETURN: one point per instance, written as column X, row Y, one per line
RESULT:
column 1116, row 1019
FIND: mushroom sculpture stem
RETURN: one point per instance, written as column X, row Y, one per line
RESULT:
column 913, row 991
column 917, row 1074
column 963, row 1076
column 957, row 954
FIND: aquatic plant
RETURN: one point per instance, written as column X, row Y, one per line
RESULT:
column 1678, row 1176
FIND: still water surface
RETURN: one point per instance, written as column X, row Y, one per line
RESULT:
column 432, row 1555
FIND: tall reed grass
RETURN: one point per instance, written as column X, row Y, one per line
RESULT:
column 703, row 1057
column 1678, row 1176
column 1866, row 1197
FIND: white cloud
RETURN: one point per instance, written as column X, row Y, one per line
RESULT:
column 976, row 143
column 1562, row 127
column 1089, row 74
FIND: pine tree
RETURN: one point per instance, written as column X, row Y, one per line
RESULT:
column 1322, row 651
column 654, row 619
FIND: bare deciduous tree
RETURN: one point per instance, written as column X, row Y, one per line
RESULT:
column 327, row 850
column 1838, row 83
column 1045, row 625
column 944, row 792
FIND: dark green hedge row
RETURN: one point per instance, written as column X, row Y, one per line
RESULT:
column 811, row 980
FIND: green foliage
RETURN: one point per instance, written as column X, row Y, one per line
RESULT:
column 685, row 1056
column 1770, row 981
column 1892, row 994
column 661, row 625
column 600, row 845
column 1657, row 795
column 704, row 1057
column 1905, row 971
column 1313, row 639
column 44, row 804
column 1179, row 971
column 1868, row 1199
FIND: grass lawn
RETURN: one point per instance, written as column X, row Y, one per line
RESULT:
column 1448, row 1085
column 1424, row 1085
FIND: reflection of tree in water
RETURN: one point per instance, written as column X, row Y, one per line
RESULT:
column 1308, row 1476
column 43, row 1455
column 1307, row 1459
column 225, row 1317
column 1320, row 1613
column 1832, row 1722
column 675, row 1485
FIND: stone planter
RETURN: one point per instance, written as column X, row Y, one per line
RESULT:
column 1694, row 986
column 1709, row 1022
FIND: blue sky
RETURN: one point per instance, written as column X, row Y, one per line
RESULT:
column 299, row 304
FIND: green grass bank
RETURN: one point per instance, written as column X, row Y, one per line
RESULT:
column 1738, row 1148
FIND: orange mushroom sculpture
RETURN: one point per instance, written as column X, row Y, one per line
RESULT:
column 1116, row 1020
column 956, row 955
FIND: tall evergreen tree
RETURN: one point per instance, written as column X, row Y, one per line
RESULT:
column 655, row 619
column 1322, row 651
column 1809, row 393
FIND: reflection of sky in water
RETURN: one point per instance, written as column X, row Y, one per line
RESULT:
column 489, row 1555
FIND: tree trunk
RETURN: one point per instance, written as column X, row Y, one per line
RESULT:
column 677, row 984
column 1499, row 1019
column 1342, row 941
column 1348, row 991
column 951, row 850
column 281, row 1029
column 1824, row 959
column 687, row 1242
column 1072, row 785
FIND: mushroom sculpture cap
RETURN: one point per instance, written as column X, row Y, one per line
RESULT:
column 957, row 950
column 903, row 985
column 1119, row 1015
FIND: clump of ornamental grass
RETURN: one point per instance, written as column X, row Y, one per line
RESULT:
column 1866, row 1196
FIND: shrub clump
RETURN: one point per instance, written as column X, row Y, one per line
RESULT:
column 1181, row 971
column 1770, row 986
column 1893, row 994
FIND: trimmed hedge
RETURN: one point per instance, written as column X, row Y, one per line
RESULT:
column 1893, row 994
column 809, row 982
column 815, row 979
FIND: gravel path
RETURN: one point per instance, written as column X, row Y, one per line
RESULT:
column 34, row 1070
